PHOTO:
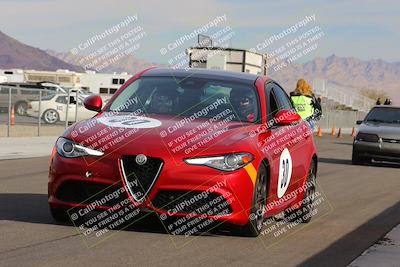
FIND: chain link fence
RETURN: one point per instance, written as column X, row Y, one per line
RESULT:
column 39, row 112
column 42, row 112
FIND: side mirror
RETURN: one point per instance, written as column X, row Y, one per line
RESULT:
column 286, row 117
column 358, row 122
column 93, row 102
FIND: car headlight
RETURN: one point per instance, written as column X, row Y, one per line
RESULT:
column 229, row 162
column 70, row 149
column 366, row 137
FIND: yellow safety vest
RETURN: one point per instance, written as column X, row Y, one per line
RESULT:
column 303, row 105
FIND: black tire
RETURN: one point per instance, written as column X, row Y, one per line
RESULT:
column 59, row 214
column 303, row 213
column 256, row 219
column 51, row 116
column 20, row 108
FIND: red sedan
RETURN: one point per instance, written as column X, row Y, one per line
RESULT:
column 216, row 145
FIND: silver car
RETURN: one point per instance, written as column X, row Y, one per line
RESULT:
column 378, row 136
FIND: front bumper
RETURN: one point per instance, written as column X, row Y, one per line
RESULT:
column 383, row 151
column 178, row 190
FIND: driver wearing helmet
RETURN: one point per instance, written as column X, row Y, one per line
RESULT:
column 163, row 101
column 244, row 103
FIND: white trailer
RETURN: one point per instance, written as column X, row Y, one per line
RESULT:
column 3, row 79
column 232, row 59
column 103, row 83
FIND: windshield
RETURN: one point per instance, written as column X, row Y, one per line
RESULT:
column 384, row 115
column 48, row 97
column 188, row 97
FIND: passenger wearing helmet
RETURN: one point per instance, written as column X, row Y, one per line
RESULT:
column 163, row 100
column 244, row 104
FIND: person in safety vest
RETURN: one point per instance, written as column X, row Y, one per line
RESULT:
column 305, row 102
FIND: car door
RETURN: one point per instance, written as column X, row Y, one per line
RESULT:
column 283, row 150
column 60, row 104
column 280, row 165
column 296, row 142
column 72, row 115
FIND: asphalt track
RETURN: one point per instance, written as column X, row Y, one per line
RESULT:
column 361, row 204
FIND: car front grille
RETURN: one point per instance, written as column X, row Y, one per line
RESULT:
column 392, row 141
column 88, row 192
column 140, row 178
column 192, row 202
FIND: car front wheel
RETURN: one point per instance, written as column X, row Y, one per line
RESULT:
column 51, row 116
column 256, row 218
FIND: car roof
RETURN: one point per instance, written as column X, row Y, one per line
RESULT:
column 202, row 73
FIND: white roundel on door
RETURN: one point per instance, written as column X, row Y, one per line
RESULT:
column 285, row 172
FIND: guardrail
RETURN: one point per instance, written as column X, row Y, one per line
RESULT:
column 342, row 96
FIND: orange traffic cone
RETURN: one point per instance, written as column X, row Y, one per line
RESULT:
column 12, row 117
column 353, row 132
column 319, row 133
column 333, row 131
column 339, row 134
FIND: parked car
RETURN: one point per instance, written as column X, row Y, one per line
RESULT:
column 230, row 170
column 63, row 90
column 21, row 95
column 378, row 136
column 54, row 107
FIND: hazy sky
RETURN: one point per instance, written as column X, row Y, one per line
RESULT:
column 363, row 29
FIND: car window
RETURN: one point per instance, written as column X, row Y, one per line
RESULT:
column 189, row 97
column 61, row 99
column 29, row 92
column 384, row 115
column 273, row 107
column 30, row 86
column 212, row 93
column 282, row 98
column 4, row 90
column 48, row 97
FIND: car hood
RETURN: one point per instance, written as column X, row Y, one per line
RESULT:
column 173, row 134
column 383, row 130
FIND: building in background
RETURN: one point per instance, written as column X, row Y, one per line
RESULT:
column 103, row 83
column 97, row 83
column 13, row 75
column 65, row 78
column 3, row 79
column 232, row 59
